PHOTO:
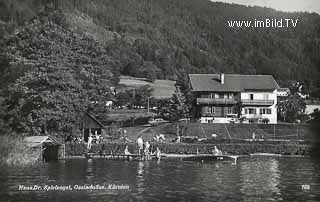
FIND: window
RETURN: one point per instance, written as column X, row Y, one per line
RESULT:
column 230, row 95
column 266, row 96
column 265, row 111
column 246, row 111
column 204, row 96
column 210, row 110
column 252, row 111
column 230, row 111
column 221, row 95
column 251, row 96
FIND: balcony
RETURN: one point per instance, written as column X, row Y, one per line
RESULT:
column 215, row 101
column 248, row 102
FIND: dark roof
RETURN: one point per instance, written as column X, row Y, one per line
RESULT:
column 34, row 141
column 93, row 118
column 232, row 82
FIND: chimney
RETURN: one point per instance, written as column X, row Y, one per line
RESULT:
column 222, row 78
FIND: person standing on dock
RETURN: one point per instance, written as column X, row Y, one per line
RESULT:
column 146, row 150
column 97, row 137
column 90, row 138
column 140, row 144
column 158, row 153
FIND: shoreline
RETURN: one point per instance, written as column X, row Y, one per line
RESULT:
column 179, row 156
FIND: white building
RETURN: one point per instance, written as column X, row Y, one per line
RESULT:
column 283, row 92
column 259, row 105
column 225, row 98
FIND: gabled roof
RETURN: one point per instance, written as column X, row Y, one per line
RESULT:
column 34, row 141
column 94, row 119
column 232, row 82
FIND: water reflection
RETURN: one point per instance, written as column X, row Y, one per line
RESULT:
column 140, row 179
column 260, row 177
column 251, row 179
column 89, row 170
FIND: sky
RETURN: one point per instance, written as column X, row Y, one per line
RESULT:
column 283, row 5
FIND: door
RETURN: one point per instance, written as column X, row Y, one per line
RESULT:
column 222, row 111
column 61, row 151
column 86, row 134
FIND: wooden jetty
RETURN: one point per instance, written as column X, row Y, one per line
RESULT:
column 115, row 156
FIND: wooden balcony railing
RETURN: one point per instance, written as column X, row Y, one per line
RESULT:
column 257, row 102
column 215, row 101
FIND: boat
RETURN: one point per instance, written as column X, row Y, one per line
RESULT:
column 210, row 157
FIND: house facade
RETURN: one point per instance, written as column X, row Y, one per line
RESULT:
column 226, row 98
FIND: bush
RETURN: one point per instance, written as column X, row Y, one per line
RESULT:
column 15, row 152
column 265, row 120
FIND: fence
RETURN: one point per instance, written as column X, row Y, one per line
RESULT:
column 245, row 131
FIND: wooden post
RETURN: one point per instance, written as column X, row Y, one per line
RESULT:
column 227, row 131
column 41, row 156
column 64, row 150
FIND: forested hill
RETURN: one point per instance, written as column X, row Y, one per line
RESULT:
column 69, row 52
column 163, row 39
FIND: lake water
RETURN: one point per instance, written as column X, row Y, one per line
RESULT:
column 251, row 179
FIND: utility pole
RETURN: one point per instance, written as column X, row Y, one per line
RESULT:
column 148, row 104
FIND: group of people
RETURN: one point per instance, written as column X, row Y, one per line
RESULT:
column 144, row 149
column 159, row 138
column 93, row 139
column 73, row 139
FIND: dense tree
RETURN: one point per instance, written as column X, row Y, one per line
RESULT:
column 60, row 74
column 173, row 108
column 292, row 108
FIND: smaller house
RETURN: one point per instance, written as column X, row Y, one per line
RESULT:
column 90, row 125
column 310, row 109
column 283, row 92
column 311, row 105
column 49, row 147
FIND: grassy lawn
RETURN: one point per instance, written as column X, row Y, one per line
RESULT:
column 161, row 88
column 223, row 131
column 148, row 132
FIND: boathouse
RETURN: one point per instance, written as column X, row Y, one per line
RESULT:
column 49, row 148
column 89, row 125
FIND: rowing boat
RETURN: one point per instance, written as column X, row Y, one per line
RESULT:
column 210, row 157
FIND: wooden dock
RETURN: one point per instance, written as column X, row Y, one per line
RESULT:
column 115, row 156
